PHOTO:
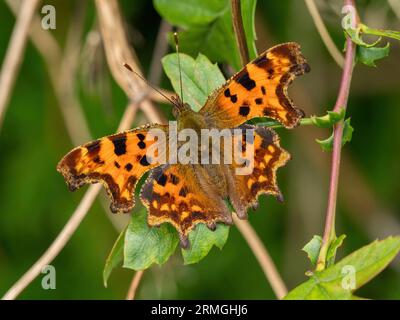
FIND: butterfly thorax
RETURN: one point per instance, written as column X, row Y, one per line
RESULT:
column 189, row 119
column 212, row 173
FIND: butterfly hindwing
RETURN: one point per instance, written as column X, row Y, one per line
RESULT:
column 260, row 90
column 268, row 157
column 118, row 161
column 177, row 194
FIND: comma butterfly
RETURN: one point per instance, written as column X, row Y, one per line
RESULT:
column 187, row 194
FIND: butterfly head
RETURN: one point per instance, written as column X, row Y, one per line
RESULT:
column 186, row 117
column 179, row 107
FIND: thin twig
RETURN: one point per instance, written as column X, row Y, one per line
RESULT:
column 118, row 52
column 62, row 70
column 69, row 228
column 161, row 47
column 65, row 81
column 134, row 285
column 341, row 102
column 61, row 67
column 155, row 70
column 257, row 247
column 323, row 32
column 395, row 5
column 90, row 195
column 263, row 257
column 239, row 31
column 15, row 52
column 59, row 243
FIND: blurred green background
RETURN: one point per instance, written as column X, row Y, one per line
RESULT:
column 35, row 203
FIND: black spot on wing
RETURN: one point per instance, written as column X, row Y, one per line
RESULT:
column 270, row 73
column 116, row 164
column 140, row 136
column 263, row 90
column 141, row 145
column 162, row 180
column 98, row 160
column 228, row 94
column 119, row 142
column 258, row 101
column 174, row 179
column 128, row 167
column 244, row 110
column 183, row 192
column 245, row 80
column 144, row 161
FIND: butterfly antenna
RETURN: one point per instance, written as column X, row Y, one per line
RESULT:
column 127, row 66
column 179, row 63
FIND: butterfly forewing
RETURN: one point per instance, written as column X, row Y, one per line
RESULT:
column 260, row 90
column 118, row 161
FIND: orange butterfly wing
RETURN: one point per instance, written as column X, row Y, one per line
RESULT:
column 118, row 161
column 260, row 90
column 182, row 195
column 268, row 157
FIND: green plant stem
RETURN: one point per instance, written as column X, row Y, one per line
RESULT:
column 341, row 102
column 276, row 125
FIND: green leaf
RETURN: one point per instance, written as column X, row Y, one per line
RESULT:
column 312, row 249
column 207, row 75
column 355, row 35
column 190, row 13
column 146, row 245
column 368, row 55
column 347, row 132
column 334, row 245
column 327, row 144
column 339, row 281
column 199, row 77
column 207, row 27
column 115, row 257
column 380, row 32
column 202, row 240
column 329, row 119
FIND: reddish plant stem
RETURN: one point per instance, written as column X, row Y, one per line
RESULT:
column 341, row 102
